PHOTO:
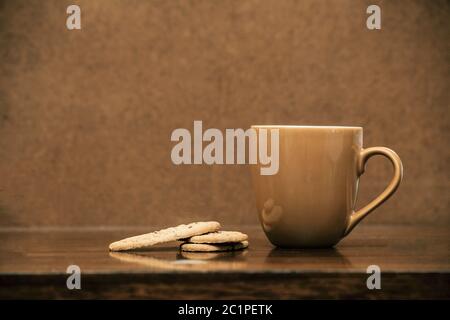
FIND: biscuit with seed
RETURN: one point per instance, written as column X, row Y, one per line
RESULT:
column 165, row 235
column 221, row 255
column 203, row 247
column 219, row 237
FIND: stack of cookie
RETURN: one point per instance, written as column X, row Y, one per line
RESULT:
column 196, row 237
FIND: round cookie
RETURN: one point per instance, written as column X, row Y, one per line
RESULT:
column 220, row 255
column 165, row 235
column 219, row 237
column 203, row 247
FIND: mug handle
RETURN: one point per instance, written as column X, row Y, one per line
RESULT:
column 364, row 156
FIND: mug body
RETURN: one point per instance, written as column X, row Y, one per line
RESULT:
column 308, row 202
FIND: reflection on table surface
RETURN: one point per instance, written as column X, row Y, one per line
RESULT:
column 186, row 260
column 393, row 248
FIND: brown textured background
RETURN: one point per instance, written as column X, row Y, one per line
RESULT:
column 86, row 116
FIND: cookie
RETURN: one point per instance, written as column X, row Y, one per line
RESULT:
column 221, row 255
column 219, row 237
column 203, row 247
column 165, row 235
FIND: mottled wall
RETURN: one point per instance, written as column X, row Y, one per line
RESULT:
column 86, row 116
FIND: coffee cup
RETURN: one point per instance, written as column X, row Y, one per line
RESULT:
column 310, row 202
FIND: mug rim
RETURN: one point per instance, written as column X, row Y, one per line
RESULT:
column 268, row 126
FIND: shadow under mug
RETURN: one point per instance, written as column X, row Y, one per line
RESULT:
column 310, row 201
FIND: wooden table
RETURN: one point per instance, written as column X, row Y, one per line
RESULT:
column 414, row 261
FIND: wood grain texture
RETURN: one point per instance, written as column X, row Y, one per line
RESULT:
column 86, row 116
column 414, row 261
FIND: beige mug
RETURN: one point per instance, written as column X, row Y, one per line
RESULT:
column 310, row 201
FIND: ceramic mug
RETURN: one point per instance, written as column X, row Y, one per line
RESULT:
column 310, row 202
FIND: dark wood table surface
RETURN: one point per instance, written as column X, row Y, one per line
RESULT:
column 414, row 263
